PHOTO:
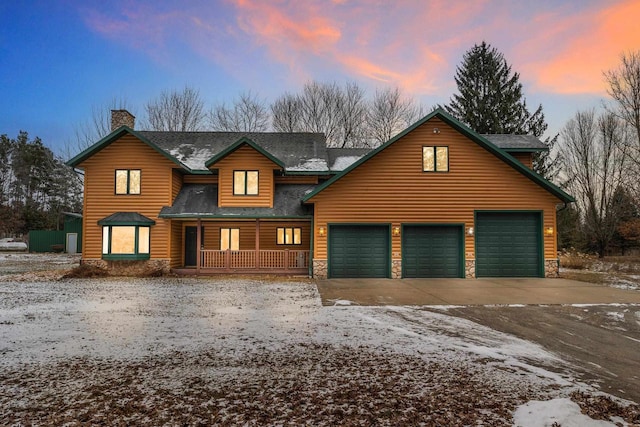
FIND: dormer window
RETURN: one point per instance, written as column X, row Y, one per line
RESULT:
column 245, row 183
column 127, row 181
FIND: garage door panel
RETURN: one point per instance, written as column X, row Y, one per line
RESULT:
column 431, row 251
column 357, row 251
column 508, row 244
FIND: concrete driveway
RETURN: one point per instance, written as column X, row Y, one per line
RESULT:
column 602, row 341
column 471, row 292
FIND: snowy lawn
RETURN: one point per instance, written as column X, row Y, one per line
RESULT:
column 262, row 352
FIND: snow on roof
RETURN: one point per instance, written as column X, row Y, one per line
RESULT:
column 310, row 165
column 343, row 162
column 193, row 158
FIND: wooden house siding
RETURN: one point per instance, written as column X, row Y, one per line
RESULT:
column 391, row 188
column 200, row 179
column 245, row 158
column 101, row 201
column 524, row 158
column 176, row 248
column 176, row 184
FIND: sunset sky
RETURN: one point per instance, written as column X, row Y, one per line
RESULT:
column 58, row 59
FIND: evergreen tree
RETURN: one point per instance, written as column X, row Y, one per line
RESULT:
column 35, row 186
column 491, row 101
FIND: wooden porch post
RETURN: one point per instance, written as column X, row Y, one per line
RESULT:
column 198, row 246
column 286, row 259
column 258, row 243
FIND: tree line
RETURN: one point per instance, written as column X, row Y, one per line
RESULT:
column 593, row 157
column 346, row 114
column 36, row 187
column 600, row 156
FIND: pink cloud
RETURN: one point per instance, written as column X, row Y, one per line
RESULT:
column 587, row 45
column 414, row 44
column 271, row 24
column 377, row 42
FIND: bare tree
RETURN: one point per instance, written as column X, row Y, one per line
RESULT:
column 352, row 112
column 286, row 113
column 624, row 88
column 594, row 159
column 339, row 112
column 247, row 114
column 319, row 103
column 176, row 111
column 389, row 113
column 96, row 127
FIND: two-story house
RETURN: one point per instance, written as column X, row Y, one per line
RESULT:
column 438, row 200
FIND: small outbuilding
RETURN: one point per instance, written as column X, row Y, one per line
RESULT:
column 69, row 239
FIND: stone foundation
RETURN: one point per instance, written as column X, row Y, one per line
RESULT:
column 148, row 267
column 470, row 269
column 320, row 268
column 396, row 269
column 551, row 268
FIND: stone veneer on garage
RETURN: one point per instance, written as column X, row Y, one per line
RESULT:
column 470, row 269
column 320, row 268
column 396, row 269
column 551, row 268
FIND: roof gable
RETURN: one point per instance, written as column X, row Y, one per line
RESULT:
column 114, row 136
column 239, row 143
column 458, row 126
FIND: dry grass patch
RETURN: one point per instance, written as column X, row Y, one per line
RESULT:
column 86, row 271
column 576, row 260
column 604, row 408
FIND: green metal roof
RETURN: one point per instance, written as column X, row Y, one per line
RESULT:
column 460, row 127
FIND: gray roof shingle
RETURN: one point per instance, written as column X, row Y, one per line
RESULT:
column 300, row 152
column 201, row 201
column 126, row 218
column 509, row 142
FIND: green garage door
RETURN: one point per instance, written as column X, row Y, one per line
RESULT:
column 508, row 244
column 358, row 251
column 432, row 251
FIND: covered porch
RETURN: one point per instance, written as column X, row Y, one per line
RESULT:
column 258, row 246
column 209, row 239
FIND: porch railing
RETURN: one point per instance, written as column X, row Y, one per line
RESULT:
column 246, row 260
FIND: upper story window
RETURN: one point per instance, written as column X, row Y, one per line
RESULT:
column 127, row 181
column 435, row 159
column 289, row 236
column 245, row 183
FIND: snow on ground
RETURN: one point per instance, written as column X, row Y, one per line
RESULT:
column 260, row 352
column 562, row 411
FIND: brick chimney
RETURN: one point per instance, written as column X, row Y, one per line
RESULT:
column 122, row 118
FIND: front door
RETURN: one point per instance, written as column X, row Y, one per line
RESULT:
column 191, row 245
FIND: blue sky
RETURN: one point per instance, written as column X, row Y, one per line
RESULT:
column 60, row 59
